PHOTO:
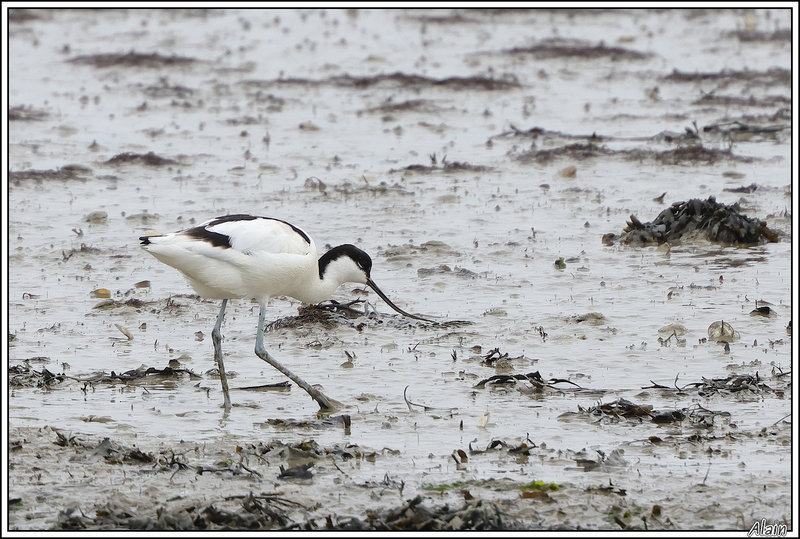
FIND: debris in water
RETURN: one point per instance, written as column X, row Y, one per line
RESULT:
column 124, row 331
column 277, row 386
column 475, row 514
column 301, row 471
column 613, row 459
column 24, row 376
column 764, row 311
column 132, row 59
column 695, row 218
column 721, row 331
column 101, row 293
column 98, row 217
column 149, row 159
column 67, row 172
column 425, row 407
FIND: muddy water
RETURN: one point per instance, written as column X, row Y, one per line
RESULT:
column 466, row 152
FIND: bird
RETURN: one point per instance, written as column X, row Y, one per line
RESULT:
column 244, row 256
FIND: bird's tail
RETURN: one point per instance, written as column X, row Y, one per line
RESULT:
column 146, row 239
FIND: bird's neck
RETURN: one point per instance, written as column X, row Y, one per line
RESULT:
column 331, row 274
column 318, row 290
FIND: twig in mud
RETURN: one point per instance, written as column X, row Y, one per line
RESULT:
column 333, row 461
column 252, row 472
column 388, row 481
column 200, row 470
column 280, row 386
column 494, row 355
column 171, row 477
column 64, row 441
column 173, row 461
column 410, row 404
column 678, row 340
column 423, row 406
column 267, row 497
column 559, row 380
column 254, row 504
column 655, row 386
column 706, row 477
column 781, row 419
column 67, row 377
column 534, row 378
column 405, row 389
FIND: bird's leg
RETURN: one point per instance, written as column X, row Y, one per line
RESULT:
column 216, row 337
column 322, row 400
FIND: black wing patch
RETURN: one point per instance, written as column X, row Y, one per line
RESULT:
column 245, row 217
column 222, row 240
column 236, row 217
column 214, row 238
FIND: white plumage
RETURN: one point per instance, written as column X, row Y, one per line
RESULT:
column 266, row 258
column 246, row 256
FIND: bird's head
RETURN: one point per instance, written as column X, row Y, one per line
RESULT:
column 346, row 264
column 349, row 264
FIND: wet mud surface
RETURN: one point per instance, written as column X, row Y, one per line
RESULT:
column 569, row 380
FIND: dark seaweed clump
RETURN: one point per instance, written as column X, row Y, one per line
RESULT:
column 415, row 516
column 149, row 159
column 65, row 173
column 709, row 219
column 132, row 59
column 267, row 512
column 24, row 113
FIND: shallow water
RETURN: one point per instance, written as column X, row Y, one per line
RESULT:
column 316, row 117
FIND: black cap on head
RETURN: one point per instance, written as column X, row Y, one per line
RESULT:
column 358, row 256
